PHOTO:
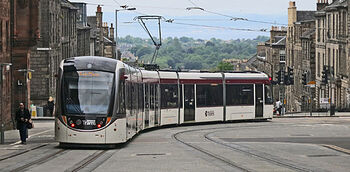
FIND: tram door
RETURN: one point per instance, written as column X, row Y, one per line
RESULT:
column 189, row 109
column 147, row 104
column 156, row 104
column 259, row 101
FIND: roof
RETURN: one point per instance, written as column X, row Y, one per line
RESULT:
column 107, row 40
column 83, row 27
column 308, row 34
column 337, row 4
column 280, row 40
column 333, row 6
column 305, row 16
column 67, row 4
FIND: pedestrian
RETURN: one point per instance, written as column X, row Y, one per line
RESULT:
column 51, row 105
column 279, row 106
column 23, row 118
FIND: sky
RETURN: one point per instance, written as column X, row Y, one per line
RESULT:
column 213, row 22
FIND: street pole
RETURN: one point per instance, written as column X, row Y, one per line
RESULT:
column 25, row 74
column 116, row 28
column 2, row 132
column 124, row 8
column 2, row 140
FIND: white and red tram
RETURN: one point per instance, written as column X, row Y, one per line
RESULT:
column 104, row 101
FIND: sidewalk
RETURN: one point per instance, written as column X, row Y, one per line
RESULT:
column 314, row 114
column 43, row 130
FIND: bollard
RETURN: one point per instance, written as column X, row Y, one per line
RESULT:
column 332, row 110
column 2, row 134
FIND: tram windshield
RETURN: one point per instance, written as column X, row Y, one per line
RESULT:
column 87, row 92
column 268, row 94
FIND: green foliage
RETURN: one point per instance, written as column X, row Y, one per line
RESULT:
column 224, row 66
column 192, row 53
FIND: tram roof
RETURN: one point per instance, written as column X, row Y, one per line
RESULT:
column 91, row 63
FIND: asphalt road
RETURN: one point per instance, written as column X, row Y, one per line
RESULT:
column 284, row 144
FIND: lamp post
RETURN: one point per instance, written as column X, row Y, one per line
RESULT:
column 2, row 139
column 25, row 74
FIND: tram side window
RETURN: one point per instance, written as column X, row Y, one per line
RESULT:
column 128, row 96
column 209, row 95
column 152, row 96
column 169, row 96
column 268, row 95
column 141, row 96
column 134, row 96
column 121, row 97
column 239, row 95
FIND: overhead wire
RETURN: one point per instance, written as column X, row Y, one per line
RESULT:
column 117, row 2
column 192, row 3
column 220, row 27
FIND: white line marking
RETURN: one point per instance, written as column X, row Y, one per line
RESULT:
column 16, row 143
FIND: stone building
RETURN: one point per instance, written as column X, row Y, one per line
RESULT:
column 300, row 25
column 5, row 60
column 24, row 33
column 272, row 57
column 69, row 29
column 102, row 37
column 47, row 54
column 58, row 22
column 83, row 30
column 332, row 51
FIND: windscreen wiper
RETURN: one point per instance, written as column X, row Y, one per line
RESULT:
column 76, row 107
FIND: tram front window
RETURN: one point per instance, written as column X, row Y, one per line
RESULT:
column 87, row 92
column 268, row 94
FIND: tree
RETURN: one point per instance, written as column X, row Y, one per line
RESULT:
column 192, row 53
column 224, row 66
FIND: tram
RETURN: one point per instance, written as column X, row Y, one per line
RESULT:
column 105, row 101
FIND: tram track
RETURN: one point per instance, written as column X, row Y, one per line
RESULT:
column 211, row 154
column 40, row 160
column 267, row 157
column 17, row 153
column 85, row 162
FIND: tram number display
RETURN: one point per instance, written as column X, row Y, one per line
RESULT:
column 89, row 122
column 209, row 113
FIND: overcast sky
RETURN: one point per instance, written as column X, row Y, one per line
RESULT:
column 271, row 11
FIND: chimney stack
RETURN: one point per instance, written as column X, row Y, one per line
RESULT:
column 111, row 32
column 105, row 29
column 292, row 13
column 99, row 17
column 99, row 9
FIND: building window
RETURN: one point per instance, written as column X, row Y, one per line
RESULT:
column 7, row 42
column 318, row 30
column 239, row 95
column 209, row 95
column 318, row 64
column 333, row 59
column 282, row 56
column 0, row 36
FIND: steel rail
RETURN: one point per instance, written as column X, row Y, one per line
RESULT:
column 265, row 158
column 85, row 162
column 218, row 157
column 39, row 161
column 17, row 153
